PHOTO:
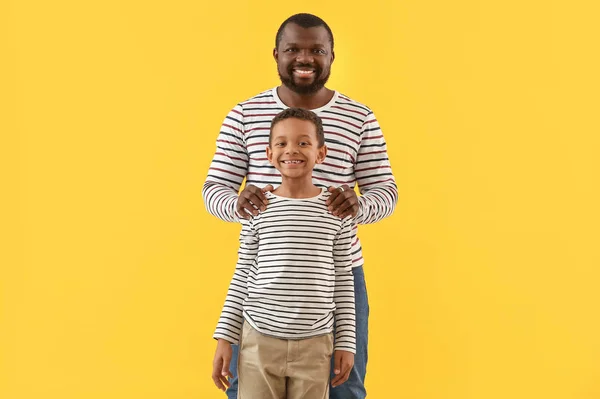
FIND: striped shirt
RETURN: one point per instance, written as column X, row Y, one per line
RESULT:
column 294, row 274
column 356, row 155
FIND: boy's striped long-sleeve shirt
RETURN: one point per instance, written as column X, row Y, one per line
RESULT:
column 356, row 155
column 294, row 274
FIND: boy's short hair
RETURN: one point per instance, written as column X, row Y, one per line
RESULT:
column 302, row 114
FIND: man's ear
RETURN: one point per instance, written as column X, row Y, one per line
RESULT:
column 321, row 154
column 332, row 56
column 275, row 53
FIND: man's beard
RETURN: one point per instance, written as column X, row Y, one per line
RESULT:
column 312, row 88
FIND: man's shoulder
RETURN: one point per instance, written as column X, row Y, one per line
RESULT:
column 262, row 98
column 347, row 101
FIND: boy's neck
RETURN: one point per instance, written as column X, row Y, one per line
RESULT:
column 297, row 188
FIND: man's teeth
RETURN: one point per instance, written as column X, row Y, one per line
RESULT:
column 303, row 72
column 292, row 161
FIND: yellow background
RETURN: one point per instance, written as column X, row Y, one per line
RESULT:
column 484, row 284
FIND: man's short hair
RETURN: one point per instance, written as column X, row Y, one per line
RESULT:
column 302, row 114
column 306, row 21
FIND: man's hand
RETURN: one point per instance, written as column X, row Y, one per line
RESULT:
column 251, row 200
column 343, row 362
column 221, row 364
column 342, row 201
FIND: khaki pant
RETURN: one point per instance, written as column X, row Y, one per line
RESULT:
column 272, row 368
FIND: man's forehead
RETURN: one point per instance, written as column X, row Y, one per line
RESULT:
column 297, row 34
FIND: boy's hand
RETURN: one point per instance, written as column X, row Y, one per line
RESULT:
column 342, row 202
column 343, row 362
column 251, row 200
column 221, row 364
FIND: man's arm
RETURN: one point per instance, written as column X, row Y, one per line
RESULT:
column 229, row 326
column 228, row 168
column 376, row 183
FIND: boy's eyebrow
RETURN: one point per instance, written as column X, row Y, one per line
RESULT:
column 273, row 138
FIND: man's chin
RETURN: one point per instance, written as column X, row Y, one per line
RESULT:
column 305, row 88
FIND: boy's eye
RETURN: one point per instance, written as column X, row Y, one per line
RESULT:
column 279, row 144
column 303, row 143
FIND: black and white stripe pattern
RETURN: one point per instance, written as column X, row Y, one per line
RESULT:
column 356, row 155
column 294, row 274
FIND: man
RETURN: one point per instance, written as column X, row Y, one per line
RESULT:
column 356, row 155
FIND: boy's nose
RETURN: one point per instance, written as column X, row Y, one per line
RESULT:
column 292, row 149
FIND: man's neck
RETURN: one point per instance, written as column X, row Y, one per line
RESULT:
column 297, row 188
column 306, row 101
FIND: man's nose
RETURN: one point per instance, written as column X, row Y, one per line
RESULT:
column 305, row 56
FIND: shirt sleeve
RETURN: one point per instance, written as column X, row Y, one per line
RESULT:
column 343, row 296
column 228, row 168
column 230, row 323
column 376, row 183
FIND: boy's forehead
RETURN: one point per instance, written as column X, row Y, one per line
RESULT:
column 294, row 127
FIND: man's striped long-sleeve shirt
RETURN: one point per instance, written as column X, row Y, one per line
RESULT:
column 357, row 155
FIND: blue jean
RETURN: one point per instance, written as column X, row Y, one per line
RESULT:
column 354, row 388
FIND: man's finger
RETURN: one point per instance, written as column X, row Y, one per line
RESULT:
column 259, row 194
column 334, row 193
column 242, row 212
column 266, row 188
column 352, row 211
column 257, row 199
column 342, row 206
column 336, row 201
column 343, row 201
column 248, row 206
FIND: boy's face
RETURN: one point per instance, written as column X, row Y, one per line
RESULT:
column 294, row 148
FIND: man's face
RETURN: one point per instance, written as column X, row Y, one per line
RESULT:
column 304, row 58
column 294, row 148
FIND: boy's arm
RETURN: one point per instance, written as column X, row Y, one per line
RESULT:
column 343, row 296
column 230, row 323
column 228, row 168
column 376, row 183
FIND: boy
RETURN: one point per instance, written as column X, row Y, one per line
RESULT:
column 292, row 281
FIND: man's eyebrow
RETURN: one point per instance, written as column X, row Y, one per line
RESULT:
column 296, row 45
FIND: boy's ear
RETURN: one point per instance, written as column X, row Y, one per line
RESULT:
column 269, row 155
column 321, row 154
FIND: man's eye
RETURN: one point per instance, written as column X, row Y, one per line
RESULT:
column 319, row 51
column 291, row 50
